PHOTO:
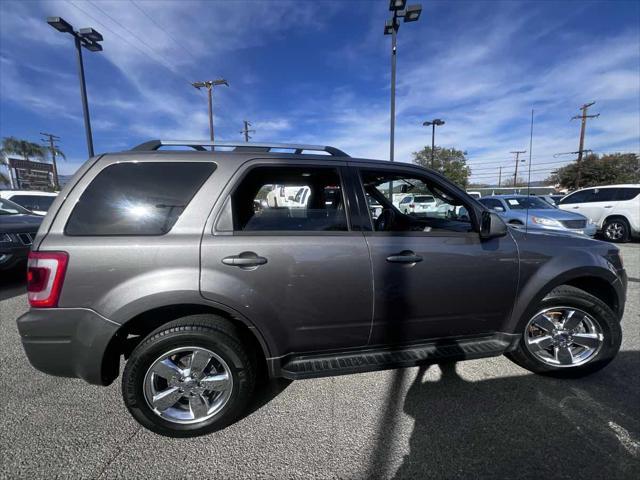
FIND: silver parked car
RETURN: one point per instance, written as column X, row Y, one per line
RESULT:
column 535, row 213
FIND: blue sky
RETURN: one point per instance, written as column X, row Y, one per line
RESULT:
column 318, row 72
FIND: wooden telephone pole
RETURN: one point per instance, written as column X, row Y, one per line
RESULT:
column 583, row 118
column 51, row 141
column 515, row 174
column 246, row 131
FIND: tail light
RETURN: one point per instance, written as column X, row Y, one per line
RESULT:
column 412, row 206
column 45, row 274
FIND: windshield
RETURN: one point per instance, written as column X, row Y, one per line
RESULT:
column 7, row 207
column 522, row 203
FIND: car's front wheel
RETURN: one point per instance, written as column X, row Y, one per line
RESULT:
column 571, row 334
column 190, row 377
column 616, row 230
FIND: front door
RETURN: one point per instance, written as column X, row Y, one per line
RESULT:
column 433, row 276
column 298, row 272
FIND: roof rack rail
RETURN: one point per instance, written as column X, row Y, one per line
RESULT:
column 152, row 145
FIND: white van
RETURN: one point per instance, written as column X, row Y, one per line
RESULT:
column 615, row 209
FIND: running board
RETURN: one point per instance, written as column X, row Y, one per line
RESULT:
column 323, row 365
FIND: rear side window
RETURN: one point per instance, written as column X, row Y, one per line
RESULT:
column 137, row 198
column 34, row 202
column 271, row 199
column 624, row 194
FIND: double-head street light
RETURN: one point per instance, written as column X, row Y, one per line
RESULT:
column 409, row 14
column 89, row 39
column 433, row 123
column 209, row 84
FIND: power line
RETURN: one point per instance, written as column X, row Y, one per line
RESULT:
column 153, row 57
column 246, row 130
column 515, row 174
column 163, row 29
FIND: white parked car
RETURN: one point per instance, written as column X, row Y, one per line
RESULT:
column 417, row 204
column 615, row 209
column 36, row 201
column 475, row 195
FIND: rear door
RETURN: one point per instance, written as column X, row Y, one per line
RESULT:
column 301, row 275
column 436, row 279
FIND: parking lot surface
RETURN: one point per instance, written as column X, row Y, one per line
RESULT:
column 476, row 419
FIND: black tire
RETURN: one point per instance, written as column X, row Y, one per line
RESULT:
column 616, row 230
column 568, row 296
column 206, row 331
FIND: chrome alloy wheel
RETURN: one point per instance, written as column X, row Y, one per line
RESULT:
column 563, row 337
column 614, row 231
column 188, row 385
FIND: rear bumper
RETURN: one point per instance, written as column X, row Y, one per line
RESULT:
column 68, row 342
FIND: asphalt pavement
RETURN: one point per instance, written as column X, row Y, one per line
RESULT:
column 477, row 419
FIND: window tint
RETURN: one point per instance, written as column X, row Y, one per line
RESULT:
column 289, row 199
column 137, row 198
column 405, row 200
column 577, row 197
column 446, row 213
column 34, row 202
column 491, row 203
column 626, row 193
column 602, row 195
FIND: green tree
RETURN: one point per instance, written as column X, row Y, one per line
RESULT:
column 599, row 170
column 449, row 162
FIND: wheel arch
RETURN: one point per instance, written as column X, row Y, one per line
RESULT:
column 135, row 329
column 597, row 281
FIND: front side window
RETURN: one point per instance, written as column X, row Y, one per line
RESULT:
column 292, row 199
column 577, row 197
column 144, row 198
column 492, row 203
column 437, row 210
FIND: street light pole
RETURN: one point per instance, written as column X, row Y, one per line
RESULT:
column 434, row 123
column 83, row 95
column 89, row 39
column 410, row 14
column 209, row 84
column 392, row 130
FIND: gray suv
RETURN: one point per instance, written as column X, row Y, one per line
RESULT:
column 203, row 271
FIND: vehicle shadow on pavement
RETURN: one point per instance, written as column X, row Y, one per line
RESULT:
column 265, row 393
column 13, row 283
column 524, row 426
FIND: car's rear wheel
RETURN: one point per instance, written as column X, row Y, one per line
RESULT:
column 571, row 334
column 188, row 378
column 616, row 230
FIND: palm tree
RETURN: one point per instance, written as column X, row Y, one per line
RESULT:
column 24, row 148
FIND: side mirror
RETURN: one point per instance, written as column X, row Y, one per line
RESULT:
column 491, row 226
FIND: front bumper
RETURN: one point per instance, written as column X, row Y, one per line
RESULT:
column 68, row 342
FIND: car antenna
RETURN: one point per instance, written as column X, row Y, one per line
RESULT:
column 526, row 221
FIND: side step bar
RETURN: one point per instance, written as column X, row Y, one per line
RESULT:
column 344, row 363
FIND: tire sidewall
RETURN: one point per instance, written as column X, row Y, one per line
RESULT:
column 148, row 352
column 601, row 314
column 625, row 231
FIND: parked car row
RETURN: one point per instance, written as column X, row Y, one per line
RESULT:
column 18, row 227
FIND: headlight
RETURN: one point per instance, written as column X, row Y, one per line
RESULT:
column 547, row 222
column 6, row 238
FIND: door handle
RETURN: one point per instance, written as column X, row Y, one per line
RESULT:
column 608, row 206
column 575, row 208
column 404, row 257
column 245, row 259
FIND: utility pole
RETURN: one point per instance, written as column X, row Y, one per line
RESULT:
column 515, row 175
column 51, row 139
column 583, row 117
column 246, row 131
column 209, row 84
column 500, row 177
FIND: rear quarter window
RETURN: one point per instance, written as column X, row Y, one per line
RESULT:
column 137, row 198
column 624, row 194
